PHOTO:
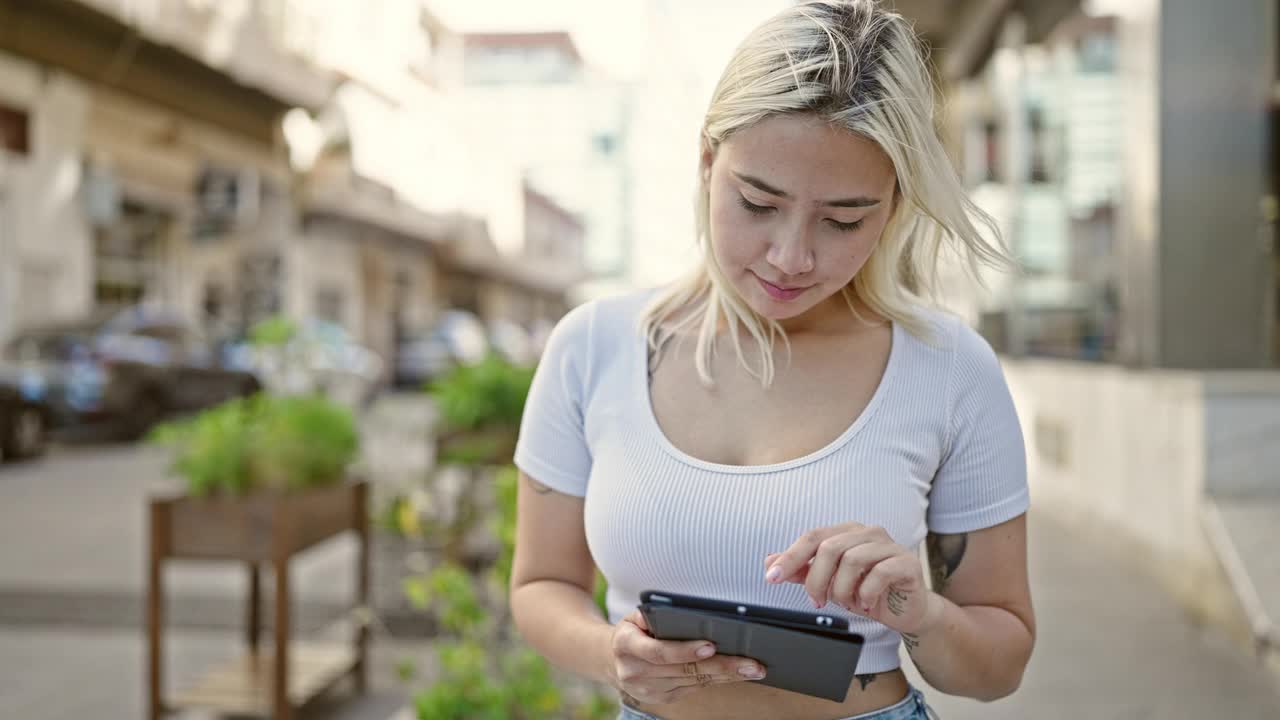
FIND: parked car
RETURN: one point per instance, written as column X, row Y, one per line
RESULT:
column 457, row 338
column 124, row 371
column 24, row 417
column 321, row 357
column 512, row 342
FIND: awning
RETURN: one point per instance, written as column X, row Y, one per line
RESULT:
column 376, row 209
column 964, row 33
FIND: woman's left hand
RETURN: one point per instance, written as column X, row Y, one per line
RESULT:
column 862, row 569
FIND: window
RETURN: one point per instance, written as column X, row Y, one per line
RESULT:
column 1039, row 169
column 1097, row 53
column 991, row 151
column 329, row 305
column 14, row 131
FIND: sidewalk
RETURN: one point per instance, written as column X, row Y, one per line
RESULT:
column 67, row 673
column 1113, row 645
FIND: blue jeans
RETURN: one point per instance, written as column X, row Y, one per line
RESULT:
column 912, row 707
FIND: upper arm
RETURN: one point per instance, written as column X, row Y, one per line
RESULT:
column 985, row 567
column 551, row 540
column 977, row 542
column 554, row 459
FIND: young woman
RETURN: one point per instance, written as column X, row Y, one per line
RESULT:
column 791, row 422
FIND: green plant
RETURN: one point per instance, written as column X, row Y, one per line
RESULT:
column 516, row 683
column 273, row 331
column 506, row 484
column 262, row 443
column 488, row 394
column 484, row 674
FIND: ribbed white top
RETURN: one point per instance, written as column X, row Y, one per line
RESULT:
column 938, row 447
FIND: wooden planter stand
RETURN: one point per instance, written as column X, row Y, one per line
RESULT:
column 498, row 444
column 256, row 529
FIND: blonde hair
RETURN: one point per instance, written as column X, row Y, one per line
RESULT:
column 860, row 68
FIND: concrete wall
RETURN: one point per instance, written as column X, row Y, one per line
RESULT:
column 1130, row 454
column 1216, row 77
column 1138, row 230
column 1196, row 273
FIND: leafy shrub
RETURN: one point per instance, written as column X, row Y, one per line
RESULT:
column 484, row 674
column 516, row 684
column 274, row 331
column 489, row 394
column 263, row 443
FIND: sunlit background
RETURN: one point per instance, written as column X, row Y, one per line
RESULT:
column 204, row 199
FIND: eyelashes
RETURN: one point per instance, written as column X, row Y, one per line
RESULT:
column 753, row 208
column 845, row 227
column 765, row 210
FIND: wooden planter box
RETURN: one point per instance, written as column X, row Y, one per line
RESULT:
column 253, row 530
column 498, row 444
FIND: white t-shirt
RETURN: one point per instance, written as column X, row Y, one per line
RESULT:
column 938, row 448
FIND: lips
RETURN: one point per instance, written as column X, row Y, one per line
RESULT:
column 780, row 292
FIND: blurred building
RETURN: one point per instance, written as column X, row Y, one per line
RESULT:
column 531, row 100
column 1128, row 151
column 1040, row 143
column 238, row 160
column 1086, row 134
column 143, row 161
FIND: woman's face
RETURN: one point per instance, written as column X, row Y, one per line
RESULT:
column 797, row 207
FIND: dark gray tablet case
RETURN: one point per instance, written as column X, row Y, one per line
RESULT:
column 813, row 662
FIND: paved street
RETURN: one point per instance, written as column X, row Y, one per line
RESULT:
column 1111, row 644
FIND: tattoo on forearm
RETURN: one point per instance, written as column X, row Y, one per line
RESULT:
column 865, row 680
column 911, row 641
column 945, row 554
column 539, row 487
column 897, row 601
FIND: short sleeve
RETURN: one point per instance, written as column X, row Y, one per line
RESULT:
column 552, row 446
column 982, row 479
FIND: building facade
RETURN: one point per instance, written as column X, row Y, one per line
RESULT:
column 1130, row 166
column 234, row 161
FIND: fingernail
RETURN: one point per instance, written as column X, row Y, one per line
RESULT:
column 706, row 651
column 774, row 574
column 816, row 603
column 866, row 609
column 751, row 671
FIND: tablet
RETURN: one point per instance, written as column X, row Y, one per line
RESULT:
column 753, row 612
column 808, row 653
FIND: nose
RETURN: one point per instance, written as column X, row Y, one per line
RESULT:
column 791, row 253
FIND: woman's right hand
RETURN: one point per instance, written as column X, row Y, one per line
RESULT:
column 663, row 671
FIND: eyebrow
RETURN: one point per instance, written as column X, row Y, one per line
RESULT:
column 757, row 183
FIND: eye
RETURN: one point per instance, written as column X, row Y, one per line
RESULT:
column 845, row 227
column 753, row 208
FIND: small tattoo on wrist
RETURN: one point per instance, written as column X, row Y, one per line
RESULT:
column 897, row 601
column 911, row 640
column 865, row 680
